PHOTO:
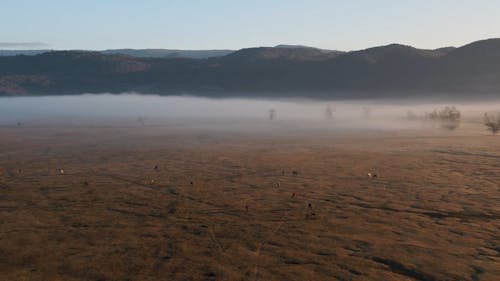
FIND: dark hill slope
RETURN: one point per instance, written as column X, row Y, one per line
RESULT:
column 386, row 71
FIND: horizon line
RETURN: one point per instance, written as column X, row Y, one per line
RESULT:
column 258, row 46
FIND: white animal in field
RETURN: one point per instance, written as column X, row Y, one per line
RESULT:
column 61, row 171
column 372, row 176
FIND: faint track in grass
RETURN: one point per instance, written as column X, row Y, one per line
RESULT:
column 435, row 214
column 402, row 269
column 464, row 153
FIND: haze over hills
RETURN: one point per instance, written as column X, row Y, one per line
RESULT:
column 169, row 53
column 8, row 53
column 166, row 53
column 141, row 53
column 282, row 52
column 282, row 71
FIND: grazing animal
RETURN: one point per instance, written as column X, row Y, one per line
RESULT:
column 152, row 182
column 191, row 183
column 372, row 176
column 61, row 171
column 86, row 183
column 156, row 167
column 310, row 213
column 293, row 195
column 295, row 173
column 246, row 208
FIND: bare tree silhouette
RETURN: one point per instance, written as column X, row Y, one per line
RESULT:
column 410, row 115
column 141, row 121
column 367, row 112
column 272, row 114
column 329, row 112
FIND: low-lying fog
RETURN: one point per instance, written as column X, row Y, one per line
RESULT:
column 151, row 110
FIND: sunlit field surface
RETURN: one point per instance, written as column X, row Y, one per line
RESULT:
column 179, row 188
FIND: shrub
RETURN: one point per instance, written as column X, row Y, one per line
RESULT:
column 492, row 123
column 449, row 117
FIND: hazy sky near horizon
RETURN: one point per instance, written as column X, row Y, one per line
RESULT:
column 233, row 24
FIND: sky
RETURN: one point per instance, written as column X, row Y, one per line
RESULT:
column 234, row 24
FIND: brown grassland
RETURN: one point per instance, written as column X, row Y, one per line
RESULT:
column 167, row 203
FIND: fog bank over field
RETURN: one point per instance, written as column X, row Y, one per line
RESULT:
column 151, row 110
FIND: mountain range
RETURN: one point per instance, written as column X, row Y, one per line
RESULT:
column 393, row 70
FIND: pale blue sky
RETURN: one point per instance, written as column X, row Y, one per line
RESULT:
column 226, row 24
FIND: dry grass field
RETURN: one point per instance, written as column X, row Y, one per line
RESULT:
column 167, row 203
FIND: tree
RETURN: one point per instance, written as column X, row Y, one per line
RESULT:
column 492, row 123
column 272, row 114
column 367, row 112
column 329, row 113
column 141, row 121
column 449, row 117
column 410, row 115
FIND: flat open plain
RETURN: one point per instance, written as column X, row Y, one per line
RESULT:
column 170, row 203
